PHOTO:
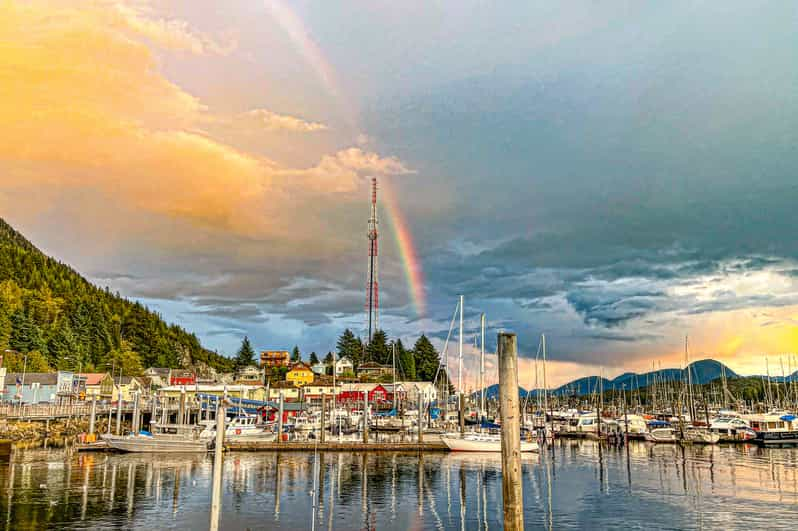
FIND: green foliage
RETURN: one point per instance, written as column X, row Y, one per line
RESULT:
column 16, row 362
column 245, row 356
column 48, row 307
column 349, row 346
column 405, row 362
column 126, row 360
column 314, row 359
column 426, row 359
column 378, row 350
column 296, row 355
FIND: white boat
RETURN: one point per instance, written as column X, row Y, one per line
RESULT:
column 637, row 425
column 697, row 435
column 661, row 435
column 776, row 427
column 240, row 427
column 482, row 442
column 304, row 422
column 168, row 439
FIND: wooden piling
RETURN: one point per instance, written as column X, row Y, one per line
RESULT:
column 323, row 415
column 280, row 418
column 420, row 418
column 512, row 493
column 365, row 417
column 119, row 413
column 216, row 492
column 93, row 413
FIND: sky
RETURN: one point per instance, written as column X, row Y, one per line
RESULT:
column 615, row 175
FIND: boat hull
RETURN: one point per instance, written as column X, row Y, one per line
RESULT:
column 155, row 445
column 776, row 437
column 456, row 444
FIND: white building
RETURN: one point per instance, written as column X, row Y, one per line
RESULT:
column 427, row 389
column 343, row 365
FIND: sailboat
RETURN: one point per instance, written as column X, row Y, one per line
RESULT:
column 482, row 442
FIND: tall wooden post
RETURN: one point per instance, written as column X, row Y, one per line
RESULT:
column 119, row 412
column 280, row 418
column 512, row 493
column 216, row 492
column 420, row 418
column 323, row 416
column 93, row 413
column 365, row 417
column 134, row 423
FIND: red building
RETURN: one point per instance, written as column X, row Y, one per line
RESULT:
column 179, row 377
column 356, row 392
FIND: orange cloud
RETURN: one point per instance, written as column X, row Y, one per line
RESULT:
column 84, row 106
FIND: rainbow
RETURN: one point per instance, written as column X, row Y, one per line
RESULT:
column 296, row 30
column 407, row 250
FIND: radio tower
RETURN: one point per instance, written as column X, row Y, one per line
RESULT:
column 372, row 280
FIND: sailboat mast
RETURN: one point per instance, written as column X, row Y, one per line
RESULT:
column 460, row 355
column 482, row 367
column 545, row 387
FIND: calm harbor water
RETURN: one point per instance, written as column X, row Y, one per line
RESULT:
column 577, row 486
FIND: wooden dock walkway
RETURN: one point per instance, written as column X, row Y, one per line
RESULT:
column 349, row 446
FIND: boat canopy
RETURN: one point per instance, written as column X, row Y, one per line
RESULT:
column 658, row 424
column 489, row 425
column 788, row 417
column 391, row 413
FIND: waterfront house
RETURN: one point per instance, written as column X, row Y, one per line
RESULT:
column 159, row 376
column 38, row 387
column 319, row 369
column 248, row 392
column 182, row 377
column 321, row 385
column 275, row 358
column 250, row 375
column 99, row 384
column 355, row 392
column 291, row 393
column 290, row 410
column 427, row 390
column 373, row 370
column 300, row 374
column 344, row 366
column 126, row 386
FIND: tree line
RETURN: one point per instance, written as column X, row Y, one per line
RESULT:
column 53, row 318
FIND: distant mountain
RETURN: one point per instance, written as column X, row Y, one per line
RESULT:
column 48, row 308
column 492, row 392
column 703, row 371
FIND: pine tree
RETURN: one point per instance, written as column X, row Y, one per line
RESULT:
column 405, row 362
column 377, row 350
column 245, row 356
column 296, row 356
column 314, row 359
column 328, row 363
column 349, row 346
column 426, row 359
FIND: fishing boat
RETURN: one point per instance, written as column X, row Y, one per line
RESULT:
column 636, row 424
column 482, row 442
column 168, row 438
column 731, row 427
column 660, row 432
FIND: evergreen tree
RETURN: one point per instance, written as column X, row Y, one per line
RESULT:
column 25, row 335
column 405, row 362
column 296, row 356
column 328, row 362
column 426, row 359
column 349, row 346
column 378, row 350
column 245, row 356
column 314, row 359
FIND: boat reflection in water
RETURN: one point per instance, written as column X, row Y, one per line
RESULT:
column 572, row 484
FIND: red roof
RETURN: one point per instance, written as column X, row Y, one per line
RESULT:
column 93, row 378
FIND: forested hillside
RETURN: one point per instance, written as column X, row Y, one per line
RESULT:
column 61, row 320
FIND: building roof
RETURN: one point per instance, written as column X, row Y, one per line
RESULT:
column 300, row 365
column 282, row 385
column 93, row 378
column 42, row 378
column 322, row 380
column 182, row 373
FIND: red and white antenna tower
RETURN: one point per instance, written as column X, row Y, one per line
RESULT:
column 372, row 280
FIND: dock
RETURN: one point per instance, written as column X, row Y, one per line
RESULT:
column 347, row 446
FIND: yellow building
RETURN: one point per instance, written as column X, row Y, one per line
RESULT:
column 126, row 386
column 290, row 393
column 300, row 374
column 248, row 392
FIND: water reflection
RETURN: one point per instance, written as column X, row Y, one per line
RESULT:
column 571, row 484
